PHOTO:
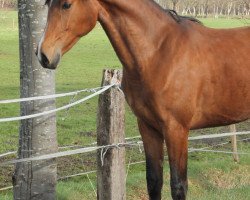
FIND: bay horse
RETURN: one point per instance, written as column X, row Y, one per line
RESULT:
column 177, row 74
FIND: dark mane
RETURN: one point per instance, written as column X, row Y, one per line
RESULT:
column 47, row 2
column 179, row 18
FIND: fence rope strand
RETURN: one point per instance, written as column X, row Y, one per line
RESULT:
column 44, row 97
column 11, row 119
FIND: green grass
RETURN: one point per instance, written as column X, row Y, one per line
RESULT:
column 211, row 176
column 225, row 23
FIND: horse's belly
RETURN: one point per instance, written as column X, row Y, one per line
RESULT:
column 221, row 115
column 214, row 121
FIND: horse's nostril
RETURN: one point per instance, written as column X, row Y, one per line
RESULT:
column 46, row 63
column 44, row 59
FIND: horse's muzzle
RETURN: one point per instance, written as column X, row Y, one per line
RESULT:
column 46, row 63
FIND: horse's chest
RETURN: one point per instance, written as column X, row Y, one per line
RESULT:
column 138, row 105
column 140, row 102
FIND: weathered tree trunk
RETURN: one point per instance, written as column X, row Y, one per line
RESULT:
column 175, row 2
column 229, row 8
column 37, row 179
column 3, row 3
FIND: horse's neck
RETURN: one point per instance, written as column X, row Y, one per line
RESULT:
column 136, row 29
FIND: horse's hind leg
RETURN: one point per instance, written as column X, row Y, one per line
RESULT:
column 153, row 144
column 176, row 138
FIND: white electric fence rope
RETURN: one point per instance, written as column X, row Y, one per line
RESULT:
column 191, row 150
column 8, row 153
column 63, row 147
column 58, row 109
column 139, row 162
column 75, row 175
column 209, row 136
column 133, row 143
column 6, row 188
column 49, row 96
column 67, row 153
column 201, row 137
column 104, row 150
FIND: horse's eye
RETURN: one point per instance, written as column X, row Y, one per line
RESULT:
column 66, row 5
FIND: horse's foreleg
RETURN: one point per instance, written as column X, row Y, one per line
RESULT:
column 153, row 144
column 176, row 138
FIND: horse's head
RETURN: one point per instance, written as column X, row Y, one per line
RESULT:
column 68, row 21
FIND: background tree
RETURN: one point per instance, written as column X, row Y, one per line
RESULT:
column 8, row 3
column 209, row 8
column 199, row 8
column 37, row 179
column 175, row 2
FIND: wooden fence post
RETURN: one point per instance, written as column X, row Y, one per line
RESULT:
column 234, row 143
column 111, row 184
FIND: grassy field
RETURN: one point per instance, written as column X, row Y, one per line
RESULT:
column 211, row 176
